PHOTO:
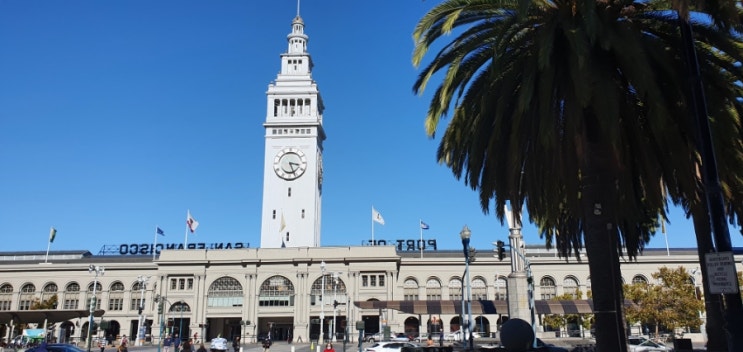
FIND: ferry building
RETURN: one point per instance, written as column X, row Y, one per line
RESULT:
column 291, row 287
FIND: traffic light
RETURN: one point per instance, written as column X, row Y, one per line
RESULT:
column 500, row 249
column 160, row 307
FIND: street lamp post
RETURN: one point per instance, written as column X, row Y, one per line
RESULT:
column 465, row 234
column 142, row 280
column 98, row 270
column 322, row 302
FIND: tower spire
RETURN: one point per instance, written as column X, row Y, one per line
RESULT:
column 298, row 7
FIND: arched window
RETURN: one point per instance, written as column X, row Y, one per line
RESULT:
column 276, row 291
column 570, row 286
column 48, row 292
column 410, row 290
column 116, row 296
column 6, row 296
column 433, row 289
column 501, row 288
column 639, row 279
column 334, row 285
column 178, row 307
column 71, row 296
column 547, row 287
column 28, row 293
column 225, row 292
column 455, row 289
column 479, row 289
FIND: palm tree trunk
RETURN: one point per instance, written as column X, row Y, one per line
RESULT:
column 599, row 197
column 731, row 303
column 714, row 325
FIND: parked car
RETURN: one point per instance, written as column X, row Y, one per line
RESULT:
column 400, row 337
column 372, row 337
column 642, row 344
column 457, row 336
column 391, row 346
column 56, row 347
column 435, row 336
column 543, row 346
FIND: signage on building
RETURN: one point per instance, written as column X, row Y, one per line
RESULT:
column 404, row 245
column 147, row 248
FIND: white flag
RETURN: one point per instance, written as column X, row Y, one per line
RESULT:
column 192, row 223
column 376, row 216
column 283, row 223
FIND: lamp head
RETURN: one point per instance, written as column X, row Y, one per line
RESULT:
column 322, row 265
column 91, row 268
column 465, row 234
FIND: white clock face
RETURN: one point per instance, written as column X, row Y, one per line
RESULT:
column 290, row 163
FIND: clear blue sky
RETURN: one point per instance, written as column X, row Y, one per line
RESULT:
column 117, row 116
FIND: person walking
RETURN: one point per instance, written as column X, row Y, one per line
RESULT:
column 166, row 343
column 266, row 345
column 202, row 348
column 329, row 347
column 123, row 346
column 236, row 344
column 176, row 343
column 186, row 346
column 101, row 344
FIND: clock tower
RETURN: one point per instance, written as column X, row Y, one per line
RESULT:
column 292, row 176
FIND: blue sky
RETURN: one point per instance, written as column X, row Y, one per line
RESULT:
column 117, row 116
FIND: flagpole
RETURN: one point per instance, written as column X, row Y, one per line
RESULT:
column 420, row 244
column 48, row 244
column 185, row 242
column 372, row 220
column 154, row 245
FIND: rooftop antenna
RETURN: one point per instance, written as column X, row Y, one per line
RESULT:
column 298, row 7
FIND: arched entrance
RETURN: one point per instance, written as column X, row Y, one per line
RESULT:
column 454, row 324
column 111, row 329
column 66, row 331
column 179, row 319
column 482, row 326
column 412, row 327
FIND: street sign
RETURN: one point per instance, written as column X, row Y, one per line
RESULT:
column 721, row 273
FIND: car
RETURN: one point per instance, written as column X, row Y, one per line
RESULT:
column 56, row 347
column 400, row 337
column 643, row 344
column 435, row 336
column 372, row 337
column 457, row 336
column 543, row 346
column 391, row 346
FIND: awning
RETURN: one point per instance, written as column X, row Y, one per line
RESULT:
column 436, row 307
column 51, row 315
column 576, row 306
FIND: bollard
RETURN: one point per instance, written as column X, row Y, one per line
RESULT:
column 292, row 349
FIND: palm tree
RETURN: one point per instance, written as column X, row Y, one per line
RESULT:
column 579, row 111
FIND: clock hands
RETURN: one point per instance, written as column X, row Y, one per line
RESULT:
column 293, row 166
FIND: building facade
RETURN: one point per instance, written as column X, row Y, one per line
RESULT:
column 289, row 293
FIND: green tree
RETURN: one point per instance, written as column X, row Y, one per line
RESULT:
column 578, row 111
column 671, row 302
column 561, row 321
column 50, row 303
